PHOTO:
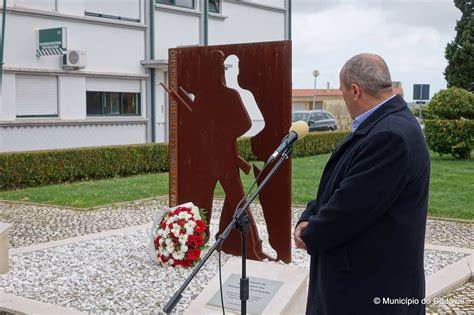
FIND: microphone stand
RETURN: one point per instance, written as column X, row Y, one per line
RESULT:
column 241, row 221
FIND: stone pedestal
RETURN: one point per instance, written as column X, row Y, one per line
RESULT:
column 274, row 289
column 4, row 227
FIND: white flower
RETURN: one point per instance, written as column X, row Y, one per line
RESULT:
column 176, row 229
column 184, row 248
column 196, row 213
column 178, row 255
column 183, row 238
column 190, row 225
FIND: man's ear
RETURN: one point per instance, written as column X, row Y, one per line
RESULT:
column 356, row 92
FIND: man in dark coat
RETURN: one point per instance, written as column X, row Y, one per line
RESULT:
column 365, row 230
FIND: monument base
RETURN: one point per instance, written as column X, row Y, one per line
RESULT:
column 274, row 289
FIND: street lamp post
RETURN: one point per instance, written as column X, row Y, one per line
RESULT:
column 315, row 75
column 2, row 43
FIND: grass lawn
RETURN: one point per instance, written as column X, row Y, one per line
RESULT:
column 451, row 189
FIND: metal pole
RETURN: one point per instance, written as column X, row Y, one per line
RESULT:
column 314, row 93
column 152, row 72
column 4, row 16
column 421, row 97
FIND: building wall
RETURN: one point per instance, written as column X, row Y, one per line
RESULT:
column 174, row 29
column 114, row 50
column 238, row 22
column 260, row 25
column 61, row 135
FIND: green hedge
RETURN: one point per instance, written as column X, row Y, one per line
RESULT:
column 455, row 137
column 318, row 143
column 38, row 168
column 314, row 143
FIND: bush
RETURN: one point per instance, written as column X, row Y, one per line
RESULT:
column 455, row 137
column 449, row 129
column 318, row 143
column 452, row 103
column 313, row 144
column 38, row 168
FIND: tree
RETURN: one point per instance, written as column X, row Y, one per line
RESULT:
column 460, row 52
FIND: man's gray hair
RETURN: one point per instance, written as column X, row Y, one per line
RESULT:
column 368, row 71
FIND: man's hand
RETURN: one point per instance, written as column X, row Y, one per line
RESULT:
column 297, row 235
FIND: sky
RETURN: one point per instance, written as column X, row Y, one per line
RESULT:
column 411, row 35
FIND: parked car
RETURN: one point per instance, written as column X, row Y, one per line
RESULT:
column 318, row 120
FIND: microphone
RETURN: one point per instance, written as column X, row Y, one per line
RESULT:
column 298, row 131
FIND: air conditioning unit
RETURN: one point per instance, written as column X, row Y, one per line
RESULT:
column 74, row 59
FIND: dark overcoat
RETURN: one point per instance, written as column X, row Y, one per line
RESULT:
column 366, row 227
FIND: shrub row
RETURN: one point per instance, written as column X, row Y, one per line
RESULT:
column 38, row 168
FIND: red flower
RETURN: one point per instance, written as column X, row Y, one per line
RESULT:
column 163, row 259
column 193, row 254
column 198, row 240
column 190, row 240
column 200, row 227
column 157, row 242
column 181, row 222
column 170, row 225
column 163, row 224
column 187, row 263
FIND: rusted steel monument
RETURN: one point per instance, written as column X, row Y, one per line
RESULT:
column 206, row 118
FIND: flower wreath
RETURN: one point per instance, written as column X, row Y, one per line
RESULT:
column 178, row 236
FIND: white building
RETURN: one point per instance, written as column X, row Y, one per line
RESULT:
column 116, row 97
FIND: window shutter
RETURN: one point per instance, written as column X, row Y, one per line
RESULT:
column 36, row 95
column 113, row 85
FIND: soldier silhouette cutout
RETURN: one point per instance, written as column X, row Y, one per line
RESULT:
column 207, row 117
column 217, row 159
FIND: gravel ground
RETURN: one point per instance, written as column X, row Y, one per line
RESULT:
column 118, row 275
column 34, row 224
column 105, row 283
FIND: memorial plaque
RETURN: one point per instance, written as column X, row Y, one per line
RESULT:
column 261, row 293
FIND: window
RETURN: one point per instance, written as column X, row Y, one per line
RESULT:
column 126, row 10
column 328, row 116
column 179, row 3
column 113, row 104
column 214, row 6
column 93, row 101
column 36, row 95
column 314, row 117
